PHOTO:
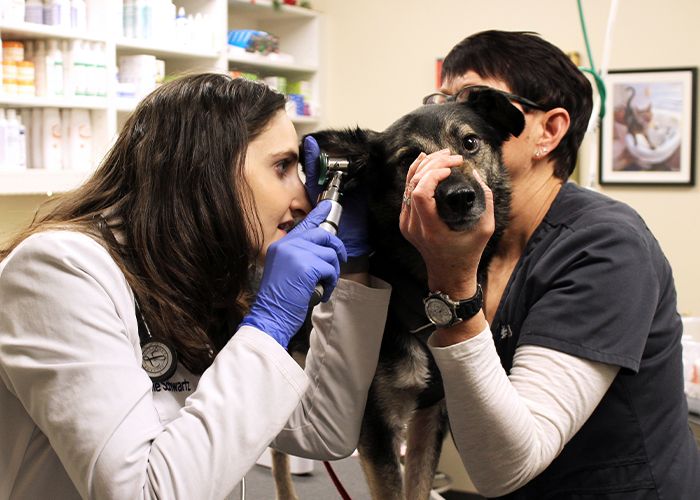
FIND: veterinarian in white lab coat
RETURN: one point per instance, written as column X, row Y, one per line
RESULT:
column 568, row 382
column 201, row 183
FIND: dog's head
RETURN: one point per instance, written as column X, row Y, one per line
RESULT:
column 379, row 161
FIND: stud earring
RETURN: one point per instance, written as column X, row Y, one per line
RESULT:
column 544, row 149
column 537, row 154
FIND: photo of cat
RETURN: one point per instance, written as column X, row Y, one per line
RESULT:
column 647, row 134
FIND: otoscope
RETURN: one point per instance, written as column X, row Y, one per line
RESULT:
column 337, row 167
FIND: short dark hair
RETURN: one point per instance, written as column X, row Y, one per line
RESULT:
column 535, row 69
column 173, row 186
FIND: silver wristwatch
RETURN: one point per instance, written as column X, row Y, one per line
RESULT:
column 445, row 312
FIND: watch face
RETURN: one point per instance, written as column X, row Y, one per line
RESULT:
column 438, row 312
column 158, row 359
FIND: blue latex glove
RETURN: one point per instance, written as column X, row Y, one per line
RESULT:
column 293, row 266
column 353, row 223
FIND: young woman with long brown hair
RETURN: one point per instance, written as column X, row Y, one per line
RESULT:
column 149, row 261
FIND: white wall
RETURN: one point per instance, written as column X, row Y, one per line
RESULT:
column 380, row 61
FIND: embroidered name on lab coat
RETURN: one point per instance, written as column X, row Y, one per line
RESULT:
column 183, row 386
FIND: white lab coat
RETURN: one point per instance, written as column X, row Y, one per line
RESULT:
column 79, row 417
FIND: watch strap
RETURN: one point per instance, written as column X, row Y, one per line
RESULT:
column 467, row 309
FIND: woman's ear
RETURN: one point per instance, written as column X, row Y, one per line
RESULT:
column 555, row 125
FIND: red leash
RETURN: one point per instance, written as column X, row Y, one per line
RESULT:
column 336, row 481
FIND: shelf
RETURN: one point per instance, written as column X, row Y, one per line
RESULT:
column 136, row 46
column 298, row 29
column 33, row 31
column 262, row 9
column 53, row 102
column 39, row 181
column 259, row 61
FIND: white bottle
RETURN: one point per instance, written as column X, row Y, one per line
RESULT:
column 79, row 76
column 37, row 141
column 100, row 69
column 26, row 121
column 68, row 61
column 169, row 17
column 144, row 19
column 22, row 165
column 40, row 76
column 66, row 163
column 182, row 35
column 49, row 13
column 81, row 140
column 12, row 157
column 63, row 13
column 51, row 139
column 130, row 19
column 54, row 70
column 78, row 15
column 90, row 76
column 3, row 141
column 14, row 11
column 198, row 31
column 34, row 11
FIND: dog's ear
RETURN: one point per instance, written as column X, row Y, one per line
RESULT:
column 360, row 146
column 498, row 112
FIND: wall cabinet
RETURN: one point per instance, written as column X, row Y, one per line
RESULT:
column 298, row 29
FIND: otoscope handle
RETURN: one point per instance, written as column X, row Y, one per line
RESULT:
column 330, row 225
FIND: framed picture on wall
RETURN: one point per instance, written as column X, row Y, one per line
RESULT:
column 648, row 132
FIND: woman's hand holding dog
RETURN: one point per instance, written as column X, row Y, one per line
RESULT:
column 451, row 257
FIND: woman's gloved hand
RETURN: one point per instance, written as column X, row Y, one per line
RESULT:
column 293, row 266
column 353, row 224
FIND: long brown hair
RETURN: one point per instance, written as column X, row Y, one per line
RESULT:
column 174, row 191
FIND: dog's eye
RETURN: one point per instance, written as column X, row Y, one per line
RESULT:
column 471, row 144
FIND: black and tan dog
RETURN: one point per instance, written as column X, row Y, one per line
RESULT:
column 406, row 399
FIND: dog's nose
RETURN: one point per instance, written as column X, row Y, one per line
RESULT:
column 460, row 200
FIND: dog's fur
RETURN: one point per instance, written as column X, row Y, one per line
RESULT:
column 406, row 399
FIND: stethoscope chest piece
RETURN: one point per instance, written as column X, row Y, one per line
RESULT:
column 159, row 360
column 158, row 357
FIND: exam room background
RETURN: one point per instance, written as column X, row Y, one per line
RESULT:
column 379, row 60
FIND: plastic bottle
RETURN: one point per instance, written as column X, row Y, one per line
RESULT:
column 68, row 84
column 22, row 139
column 34, row 11
column 63, row 13
column 36, row 138
column 66, row 162
column 169, row 17
column 40, row 77
column 88, row 57
column 100, row 69
column 182, row 35
column 48, row 13
column 81, row 140
column 130, row 19
column 79, row 76
column 144, row 19
column 3, row 141
column 13, row 141
column 78, row 15
column 51, row 139
column 54, row 70
column 26, row 121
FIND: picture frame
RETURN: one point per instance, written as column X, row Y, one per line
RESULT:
column 647, row 136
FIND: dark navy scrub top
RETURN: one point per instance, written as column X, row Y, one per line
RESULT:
column 593, row 282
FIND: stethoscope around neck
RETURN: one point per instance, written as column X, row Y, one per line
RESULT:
column 158, row 357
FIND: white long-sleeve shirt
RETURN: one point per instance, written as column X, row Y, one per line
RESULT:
column 79, row 417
